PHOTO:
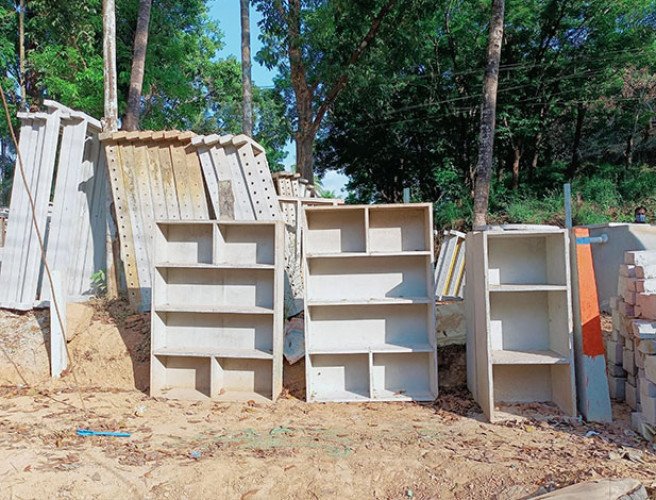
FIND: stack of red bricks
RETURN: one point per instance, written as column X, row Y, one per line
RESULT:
column 631, row 348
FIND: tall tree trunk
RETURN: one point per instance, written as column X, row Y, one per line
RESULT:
column 517, row 156
column 21, row 52
column 133, row 112
column 309, row 121
column 578, row 132
column 110, row 120
column 628, row 151
column 488, row 116
column 246, row 83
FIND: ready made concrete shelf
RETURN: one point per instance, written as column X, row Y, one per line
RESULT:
column 519, row 319
column 369, row 303
column 217, row 311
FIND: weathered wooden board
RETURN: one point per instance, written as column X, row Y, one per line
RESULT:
column 153, row 175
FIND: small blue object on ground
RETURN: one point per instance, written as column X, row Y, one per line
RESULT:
column 87, row 432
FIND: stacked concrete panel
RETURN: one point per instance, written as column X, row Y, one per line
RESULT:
column 217, row 310
column 634, row 329
column 369, row 303
column 519, row 319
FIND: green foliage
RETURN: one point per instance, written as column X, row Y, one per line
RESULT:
column 99, row 282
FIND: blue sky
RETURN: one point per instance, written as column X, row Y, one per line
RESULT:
column 226, row 13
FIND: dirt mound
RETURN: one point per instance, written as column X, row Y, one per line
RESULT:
column 109, row 347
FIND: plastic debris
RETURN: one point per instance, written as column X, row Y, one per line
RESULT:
column 88, row 432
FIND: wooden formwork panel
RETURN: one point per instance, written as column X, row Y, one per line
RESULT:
column 152, row 175
column 238, row 178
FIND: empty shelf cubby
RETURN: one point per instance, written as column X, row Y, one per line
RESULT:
column 217, row 310
column 403, row 230
column 369, row 303
column 328, row 232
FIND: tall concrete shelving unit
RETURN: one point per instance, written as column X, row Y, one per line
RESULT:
column 519, row 319
column 217, row 310
column 369, row 303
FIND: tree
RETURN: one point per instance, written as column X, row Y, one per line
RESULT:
column 488, row 116
column 133, row 111
column 246, row 83
column 317, row 72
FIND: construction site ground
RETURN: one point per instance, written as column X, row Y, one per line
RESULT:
column 290, row 449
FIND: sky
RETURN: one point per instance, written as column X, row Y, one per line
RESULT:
column 226, row 13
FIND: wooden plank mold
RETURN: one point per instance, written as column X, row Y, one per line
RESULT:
column 152, row 174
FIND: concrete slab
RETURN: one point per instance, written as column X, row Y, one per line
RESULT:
column 643, row 329
column 640, row 258
column 647, row 347
column 603, row 489
column 616, row 371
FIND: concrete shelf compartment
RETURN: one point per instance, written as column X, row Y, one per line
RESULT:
column 369, row 305
column 519, row 319
column 217, row 310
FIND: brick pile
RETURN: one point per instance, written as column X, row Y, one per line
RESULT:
column 631, row 348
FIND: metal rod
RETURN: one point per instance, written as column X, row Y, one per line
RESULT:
column 567, row 188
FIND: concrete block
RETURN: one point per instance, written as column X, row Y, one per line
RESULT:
column 616, row 388
column 630, row 298
column 643, row 329
column 641, row 373
column 645, row 272
column 628, row 270
column 631, row 395
column 646, row 302
column 628, row 362
column 650, row 368
column 648, row 405
column 616, row 318
column 639, row 359
column 647, row 389
column 643, row 428
column 615, row 371
column 614, row 352
column 626, row 309
column 647, row 347
column 621, row 340
column 640, row 258
column 632, row 379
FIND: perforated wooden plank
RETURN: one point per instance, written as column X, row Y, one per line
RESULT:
column 198, row 199
column 258, row 183
column 168, row 181
column 211, row 179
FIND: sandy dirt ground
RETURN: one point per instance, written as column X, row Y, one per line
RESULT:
column 290, row 449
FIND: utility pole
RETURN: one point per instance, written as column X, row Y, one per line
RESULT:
column 488, row 117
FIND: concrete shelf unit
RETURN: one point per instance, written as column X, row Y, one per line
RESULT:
column 519, row 319
column 217, row 311
column 369, row 304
